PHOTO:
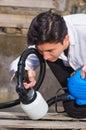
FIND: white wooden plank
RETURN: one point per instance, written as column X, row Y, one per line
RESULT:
column 58, row 4
column 41, row 124
column 48, row 116
column 50, row 121
column 28, row 3
column 9, row 20
column 61, row 116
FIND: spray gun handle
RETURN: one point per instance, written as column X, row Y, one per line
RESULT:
column 25, row 77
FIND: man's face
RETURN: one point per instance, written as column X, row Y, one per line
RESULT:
column 51, row 51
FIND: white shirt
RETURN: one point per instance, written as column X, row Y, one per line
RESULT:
column 76, row 25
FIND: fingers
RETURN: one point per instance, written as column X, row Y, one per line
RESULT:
column 30, row 85
column 83, row 73
column 31, row 77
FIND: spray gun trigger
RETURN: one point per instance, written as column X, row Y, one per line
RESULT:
column 25, row 77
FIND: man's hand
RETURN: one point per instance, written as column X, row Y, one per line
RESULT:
column 31, row 78
column 83, row 73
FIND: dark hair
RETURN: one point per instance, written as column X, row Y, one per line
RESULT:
column 46, row 27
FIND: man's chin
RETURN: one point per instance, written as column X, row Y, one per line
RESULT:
column 52, row 60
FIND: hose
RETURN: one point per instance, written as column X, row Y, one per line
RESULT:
column 9, row 104
column 62, row 97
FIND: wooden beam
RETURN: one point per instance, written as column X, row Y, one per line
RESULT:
column 44, row 4
column 28, row 3
column 41, row 124
column 50, row 121
column 15, row 21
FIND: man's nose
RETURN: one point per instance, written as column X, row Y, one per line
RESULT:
column 45, row 55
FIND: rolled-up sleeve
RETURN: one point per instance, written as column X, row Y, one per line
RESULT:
column 31, row 62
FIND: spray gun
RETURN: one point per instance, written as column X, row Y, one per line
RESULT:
column 31, row 100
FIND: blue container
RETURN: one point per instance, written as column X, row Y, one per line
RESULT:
column 77, row 88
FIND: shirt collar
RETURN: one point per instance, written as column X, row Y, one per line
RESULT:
column 63, row 57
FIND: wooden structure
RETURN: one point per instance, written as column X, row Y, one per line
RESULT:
column 50, row 121
column 28, row 3
column 35, row 3
column 12, row 20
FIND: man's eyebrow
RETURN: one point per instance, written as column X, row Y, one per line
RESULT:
column 50, row 49
column 45, row 50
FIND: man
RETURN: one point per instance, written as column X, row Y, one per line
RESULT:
column 62, row 42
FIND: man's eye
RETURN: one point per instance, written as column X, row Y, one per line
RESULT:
column 51, row 50
column 40, row 52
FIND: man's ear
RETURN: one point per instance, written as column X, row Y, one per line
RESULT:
column 66, row 41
